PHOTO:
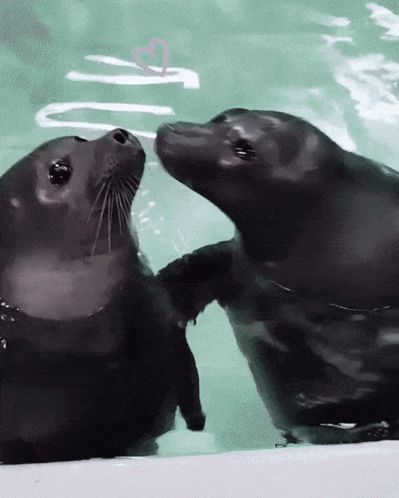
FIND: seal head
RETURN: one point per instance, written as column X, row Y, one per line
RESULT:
column 65, row 210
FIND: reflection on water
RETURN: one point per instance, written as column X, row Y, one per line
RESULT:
column 386, row 19
column 66, row 65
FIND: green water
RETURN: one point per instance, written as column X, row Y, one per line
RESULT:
column 334, row 63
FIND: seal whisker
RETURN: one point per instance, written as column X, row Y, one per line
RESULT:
column 101, row 218
column 124, row 208
column 96, row 200
column 112, row 203
column 134, row 179
column 129, row 191
column 130, row 180
column 133, row 183
column 117, row 197
column 133, row 188
column 109, row 203
column 127, row 200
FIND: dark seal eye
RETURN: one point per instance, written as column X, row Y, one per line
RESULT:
column 60, row 172
column 244, row 150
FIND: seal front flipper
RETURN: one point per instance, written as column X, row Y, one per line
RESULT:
column 193, row 282
column 187, row 382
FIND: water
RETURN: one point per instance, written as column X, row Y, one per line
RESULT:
column 66, row 68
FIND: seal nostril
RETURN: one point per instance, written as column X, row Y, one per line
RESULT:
column 119, row 137
column 124, row 133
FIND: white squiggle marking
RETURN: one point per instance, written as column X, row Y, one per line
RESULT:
column 42, row 117
column 187, row 77
column 386, row 19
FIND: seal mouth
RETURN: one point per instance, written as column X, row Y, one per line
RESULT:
column 173, row 136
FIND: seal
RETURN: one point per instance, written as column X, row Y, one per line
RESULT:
column 92, row 361
column 310, row 280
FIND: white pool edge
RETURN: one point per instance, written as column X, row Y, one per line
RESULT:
column 368, row 470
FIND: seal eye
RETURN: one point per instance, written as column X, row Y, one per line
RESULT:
column 60, row 172
column 244, row 150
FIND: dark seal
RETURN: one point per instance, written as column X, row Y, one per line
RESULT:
column 310, row 282
column 92, row 363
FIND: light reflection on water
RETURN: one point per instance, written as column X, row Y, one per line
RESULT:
column 66, row 66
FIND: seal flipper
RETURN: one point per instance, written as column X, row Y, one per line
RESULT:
column 197, row 279
column 193, row 282
column 187, row 383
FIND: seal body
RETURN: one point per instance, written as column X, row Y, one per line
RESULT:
column 310, row 281
column 90, row 362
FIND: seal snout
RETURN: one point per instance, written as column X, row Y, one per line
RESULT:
column 119, row 137
column 120, row 153
column 122, row 145
column 171, row 137
column 122, row 136
column 182, row 129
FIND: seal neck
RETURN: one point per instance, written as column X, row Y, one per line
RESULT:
column 270, row 231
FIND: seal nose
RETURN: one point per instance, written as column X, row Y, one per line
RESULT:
column 122, row 136
column 124, row 142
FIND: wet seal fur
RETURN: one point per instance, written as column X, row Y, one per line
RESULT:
column 92, row 362
column 310, row 281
